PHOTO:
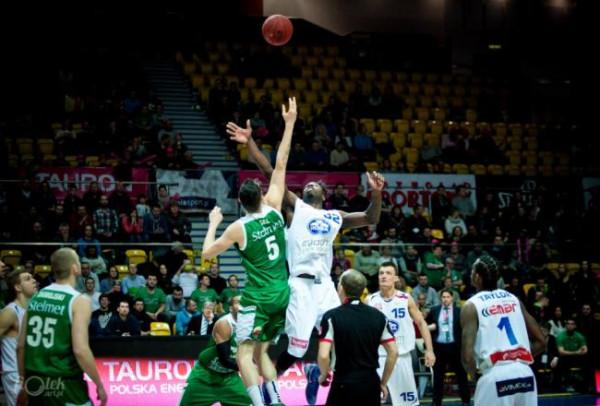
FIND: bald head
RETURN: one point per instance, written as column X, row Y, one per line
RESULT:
column 353, row 283
column 63, row 262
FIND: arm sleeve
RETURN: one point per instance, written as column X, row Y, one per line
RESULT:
column 224, row 354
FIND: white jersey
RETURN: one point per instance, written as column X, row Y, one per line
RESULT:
column 9, row 344
column 310, row 240
column 502, row 333
column 401, row 325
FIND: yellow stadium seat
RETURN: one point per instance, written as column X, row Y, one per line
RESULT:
column 92, row 161
column 562, row 170
column 573, row 267
column 306, row 72
column 444, row 90
column 384, row 125
column 426, row 101
column 459, row 90
column 547, row 158
column 563, row 158
column 410, row 101
column 402, row 126
column 11, row 257
column 385, row 75
column 439, row 114
column 515, row 144
column 24, row 146
column 500, row 129
column 432, row 77
column 277, row 97
column 158, row 328
column 370, row 75
column 45, row 146
column 416, row 77
column 310, row 97
column 514, row 157
column 328, row 61
column 530, row 158
column 527, row 287
column 312, row 60
column 437, row 127
column 333, row 85
column 399, row 140
column 42, row 270
column 429, row 89
column 531, row 143
column 381, row 137
column 529, row 170
column 395, row 158
column 415, row 140
column 136, row 256
column 222, row 68
column 123, row 270
column 369, row 124
column 422, row 113
column 412, row 155
column 414, row 89
column 354, row 74
column 316, row 84
column 283, row 83
column 339, row 74
column 546, row 170
column 322, row 73
column 432, row 140
column 420, row 127
column 471, row 115
column 461, row 169
column 512, row 170
column 495, row 170
column 401, row 76
column 371, row 166
column 250, row 83
column 398, row 88
column 516, row 130
column 189, row 68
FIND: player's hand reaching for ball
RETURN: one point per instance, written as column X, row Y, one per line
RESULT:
column 290, row 115
column 239, row 134
column 429, row 358
column 215, row 215
column 376, row 181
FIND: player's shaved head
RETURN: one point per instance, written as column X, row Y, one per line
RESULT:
column 62, row 261
column 353, row 283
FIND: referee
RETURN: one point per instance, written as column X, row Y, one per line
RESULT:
column 352, row 333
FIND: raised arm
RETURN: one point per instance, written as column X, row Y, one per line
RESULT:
column 213, row 246
column 418, row 319
column 373, row 212
column 469, row 324
column 274, row 196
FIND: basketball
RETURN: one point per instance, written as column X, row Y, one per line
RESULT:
column 277, row 30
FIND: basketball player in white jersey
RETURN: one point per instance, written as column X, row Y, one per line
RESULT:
column 310, row 235
column 23, row 286
column 495, row 339
column 400, row 310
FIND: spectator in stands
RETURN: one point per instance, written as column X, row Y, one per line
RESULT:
column 397, row 220
column 297, row 159
column 416, row 223
column 71, row 200
column 366, row 261
column 106, row 221
column 133, row 227
column 338, row 199
column 572, row 353
column 119, row 200
column 341, row 260
column 421, row 301
column 411, row 265
column 447, row 285
column 54, row 217
column 116, row 295
column 363, row 143
column 431, row 296
column 230, row 291
column 87, row 239
column 440, row 206
column 96, row 262
column 86, row 272
column 64, row 236
column 316, row 158
column 587, row 286
column 156, row 228
column 216, row 282
column 142, row 206
column 455, row 276
column 174, row 304
column 430, row 152
column 460, row 262
column 473, row 255
column 139, row 312
column 45, row 200
column 91, row 292
column 455, row 220
column 434, row 266
column 538, row 257
column 101, row 316
column 186, row 278
column 91, row 198
column 463, row 203
column 106, row 285
column 359, row 201
column 163, row 197
column 185, row 315
column 556, row 322
column 179, row 225
column 562, row 289
column 396, row 245
column 165, row 281
column 386, row 256
column 78, row 221
column 204, row 293
column 123, row 323
column 154, row 299
column 339, row 158
column 132, row 282
column 202, row 324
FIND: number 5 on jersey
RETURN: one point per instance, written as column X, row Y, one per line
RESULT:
column 272, row 247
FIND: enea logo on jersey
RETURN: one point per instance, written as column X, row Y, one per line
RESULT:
column 319, row 226
column 502, row 308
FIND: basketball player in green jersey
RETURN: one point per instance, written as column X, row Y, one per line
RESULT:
column 53, row 350
column 260, row 239
column 214, row 377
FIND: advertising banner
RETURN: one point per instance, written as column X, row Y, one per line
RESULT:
column 407, row 190
column 160, row 382
column 296, row 180
column 60, row 179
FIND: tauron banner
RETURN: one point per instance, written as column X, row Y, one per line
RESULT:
column 407, row 190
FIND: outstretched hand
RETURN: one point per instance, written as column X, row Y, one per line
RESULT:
column 290, row 115
column 376, row 181
column 239, row 134
column 215, row 216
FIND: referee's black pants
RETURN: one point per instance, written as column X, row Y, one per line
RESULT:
column 448, row 355
column 347, row 391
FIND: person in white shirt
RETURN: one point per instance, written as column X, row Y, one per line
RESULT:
column 23, row 287
column 186, row 278
column 92, row 294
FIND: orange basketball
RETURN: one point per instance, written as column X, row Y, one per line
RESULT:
column 277, row 30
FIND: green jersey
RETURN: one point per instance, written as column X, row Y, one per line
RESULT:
column 263, row 255
column 151, row 301
column 199, row 296
column 209, row 358
column 227, row 294
column 48, row 347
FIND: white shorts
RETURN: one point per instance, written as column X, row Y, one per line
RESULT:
column 10, row 383
column 507, row 384
column 308, row 302
column 402, row 385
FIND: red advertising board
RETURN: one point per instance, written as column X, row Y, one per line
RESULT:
column 296, row 180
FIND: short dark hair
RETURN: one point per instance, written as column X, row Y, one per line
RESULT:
column 445, row 290
column 390, row 264
column 487, row 269
column 104, row 295
column 124, row 301
column 232, row 276
column 177, row 289
column 250, row 195
column 422, row 274
column 138, row 300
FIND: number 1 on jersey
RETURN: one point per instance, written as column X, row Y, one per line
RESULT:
column 272, row 247
column 505, row 324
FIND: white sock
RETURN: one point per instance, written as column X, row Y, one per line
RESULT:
column 255, row 395
column 273, row 389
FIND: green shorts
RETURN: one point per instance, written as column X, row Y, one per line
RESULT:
column 205, row 388
column 59, row 391
column 262, row 313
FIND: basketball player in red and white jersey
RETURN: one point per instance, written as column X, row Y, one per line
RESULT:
column 400, row 311
column 495, row 339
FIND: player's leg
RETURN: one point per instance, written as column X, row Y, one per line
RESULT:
column 234, row 393
column 507, row 385
column 403, row 389
column 249, row 324
column 267, row 371
column 11, row 385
